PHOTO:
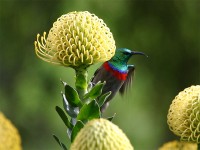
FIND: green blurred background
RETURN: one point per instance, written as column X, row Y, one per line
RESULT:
column 168, row 31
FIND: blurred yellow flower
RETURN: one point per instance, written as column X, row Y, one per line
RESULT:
column 184, row 114
column 101, row 134
column 77, row 39
column 9, row 136
column 177, row 145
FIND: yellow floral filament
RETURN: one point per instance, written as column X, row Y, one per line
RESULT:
column 74, row 39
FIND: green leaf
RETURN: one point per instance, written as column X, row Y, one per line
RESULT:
column 59, row 142
column 95, row 91
column 103, row 98
column 64, row 117
column 71, row 111
column 89, row 111
column 79, row 125
column 111, row 118
column 72, row 96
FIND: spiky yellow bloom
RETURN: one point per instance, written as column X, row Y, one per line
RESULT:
column 101, row 134
column 177, row 145
column 77, row 39
column 9, row 136
column 184, row 114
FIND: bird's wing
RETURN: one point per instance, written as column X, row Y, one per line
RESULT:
column 95, row 78
column 129, row 79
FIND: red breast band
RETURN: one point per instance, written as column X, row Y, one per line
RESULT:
column 117, row 74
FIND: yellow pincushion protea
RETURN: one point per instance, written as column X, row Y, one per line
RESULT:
column 9, row 136
column 177, row 145
column 77, row 39
column 101, row 134
column 184, row 114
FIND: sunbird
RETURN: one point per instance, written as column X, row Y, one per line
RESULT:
column 116, row 73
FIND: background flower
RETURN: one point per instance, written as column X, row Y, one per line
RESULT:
column 101, row 134
column 184, row 114
column 177, row 145
column 9, row 136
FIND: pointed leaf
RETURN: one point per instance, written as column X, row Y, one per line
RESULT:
column 111, row 118
column 90, row 85
column 72, row 96
column 79, row 125
column 71, row 111
column 95, row 91
column 64, row 117
column 89, row 111
column 103, row 98
column 59, row 142
column 57, row 139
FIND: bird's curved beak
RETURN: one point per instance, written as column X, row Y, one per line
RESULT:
column 138, row 53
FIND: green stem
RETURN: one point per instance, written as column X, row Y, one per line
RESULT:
column 198, row 146
column 81, row 82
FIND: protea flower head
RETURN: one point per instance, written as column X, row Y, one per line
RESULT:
column 179, row 145
column 77, row 39
column 101, row 134
column 9, row 136
column 184, row 114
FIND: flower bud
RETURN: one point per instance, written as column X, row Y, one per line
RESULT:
column 177, row 145
column 101, row 134
column 184, row 114
column 9, row 136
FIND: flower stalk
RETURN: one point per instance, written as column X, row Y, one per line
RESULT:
column 81, row 82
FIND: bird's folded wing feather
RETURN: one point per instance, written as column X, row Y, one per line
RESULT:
column 128, row 81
